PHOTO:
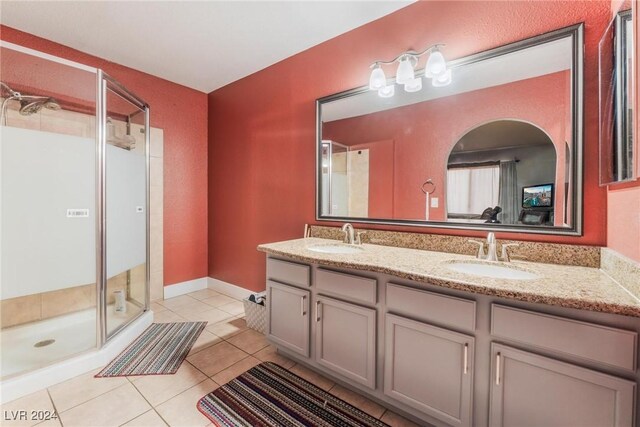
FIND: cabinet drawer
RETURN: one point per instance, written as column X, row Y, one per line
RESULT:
column 288, row 272
column 595, row 343
column 432, row 307
column 346, row 285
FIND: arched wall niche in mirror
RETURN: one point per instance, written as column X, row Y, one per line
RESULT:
column 391, row 146
column 505, row 172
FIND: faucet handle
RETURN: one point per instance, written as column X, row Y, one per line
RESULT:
column 480, row 244
column 359, row 237
column 504, row 256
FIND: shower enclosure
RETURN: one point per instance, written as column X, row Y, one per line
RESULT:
column 74, row 222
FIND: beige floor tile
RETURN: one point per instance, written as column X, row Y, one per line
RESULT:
column 206, row 339
column 235, row 370
column 235, row 308
column 51, row 422
column 203, row 294
column 193, row 307
column 269, row 354
column 111, row 409
column 312, row 376
column 181, row 411
column 228, row 328
column 160, row 388
column 216, row 358
column 357, row 400
column 148, row 419
column 175, row 302
column 82, row 388
column 157, row 308
column 10, row 414
column 395, row 420
column 218, row 300
column 212, row 316
column 167, row 316
column 250, row 341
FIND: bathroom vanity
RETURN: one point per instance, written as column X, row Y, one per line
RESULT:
column 450, row 347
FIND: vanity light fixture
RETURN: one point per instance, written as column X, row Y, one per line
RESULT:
column 435, row 69
column 387, row 91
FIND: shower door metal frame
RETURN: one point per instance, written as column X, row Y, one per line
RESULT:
column 100, row 162
column 105, row 80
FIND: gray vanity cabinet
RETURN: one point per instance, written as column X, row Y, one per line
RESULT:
column 288, row 313
column 532, row 390
column 429, row 369
column 345, row 339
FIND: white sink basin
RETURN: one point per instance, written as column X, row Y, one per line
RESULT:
column 336, row 248
column 495, row 271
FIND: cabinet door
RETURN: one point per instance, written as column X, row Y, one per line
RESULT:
column 429, row 368
column 288, row 317
column 346, row 340
column 532, row 390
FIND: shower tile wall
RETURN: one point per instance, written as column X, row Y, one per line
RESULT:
column 16, row 311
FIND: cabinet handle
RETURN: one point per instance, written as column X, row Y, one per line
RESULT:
column 466, row 358
column 317, row 311
column 302, row 312
column 498, row 368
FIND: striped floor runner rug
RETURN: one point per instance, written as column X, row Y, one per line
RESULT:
column 160, row 350
column 269, row 395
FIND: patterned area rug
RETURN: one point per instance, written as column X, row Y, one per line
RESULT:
column 269, row 395
column 160, row 350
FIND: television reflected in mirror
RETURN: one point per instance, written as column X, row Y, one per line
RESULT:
column 500, row 147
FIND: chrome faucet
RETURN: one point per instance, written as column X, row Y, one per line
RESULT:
column 349, row 234
column 492, row 251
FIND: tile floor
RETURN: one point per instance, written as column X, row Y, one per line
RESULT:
column 226, row 349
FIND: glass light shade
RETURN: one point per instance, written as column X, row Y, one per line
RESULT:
column 436, row 65
column 377, row 80
column 442, row 80
column 387, row 91
column 414, row 85
column 405, row 72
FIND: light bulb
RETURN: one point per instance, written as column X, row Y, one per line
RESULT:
column 414, row 85
column 405, row 71
column 377, row 79
column 387, row 91
column 436, row 64
column 442, row 80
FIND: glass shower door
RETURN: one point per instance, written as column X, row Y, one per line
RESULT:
column 47, row 209
column 126, row 215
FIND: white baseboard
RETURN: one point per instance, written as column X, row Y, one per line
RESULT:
column 185, row 287
column 30, row 382
column 229, row 289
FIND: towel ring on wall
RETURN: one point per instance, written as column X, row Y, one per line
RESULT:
column 428, row 182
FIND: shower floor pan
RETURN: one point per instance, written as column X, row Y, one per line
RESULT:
column 38, row 344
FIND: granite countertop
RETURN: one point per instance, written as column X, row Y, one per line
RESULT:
column 567, row 286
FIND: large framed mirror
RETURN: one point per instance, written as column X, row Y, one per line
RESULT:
column 500, row 148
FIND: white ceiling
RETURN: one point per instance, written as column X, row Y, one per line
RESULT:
column 201, row 44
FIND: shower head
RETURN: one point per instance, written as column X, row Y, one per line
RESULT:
column 32, row 104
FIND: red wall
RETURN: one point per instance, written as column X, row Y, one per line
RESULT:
column 425, row 133
column 182, row 114
column 262, row 128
